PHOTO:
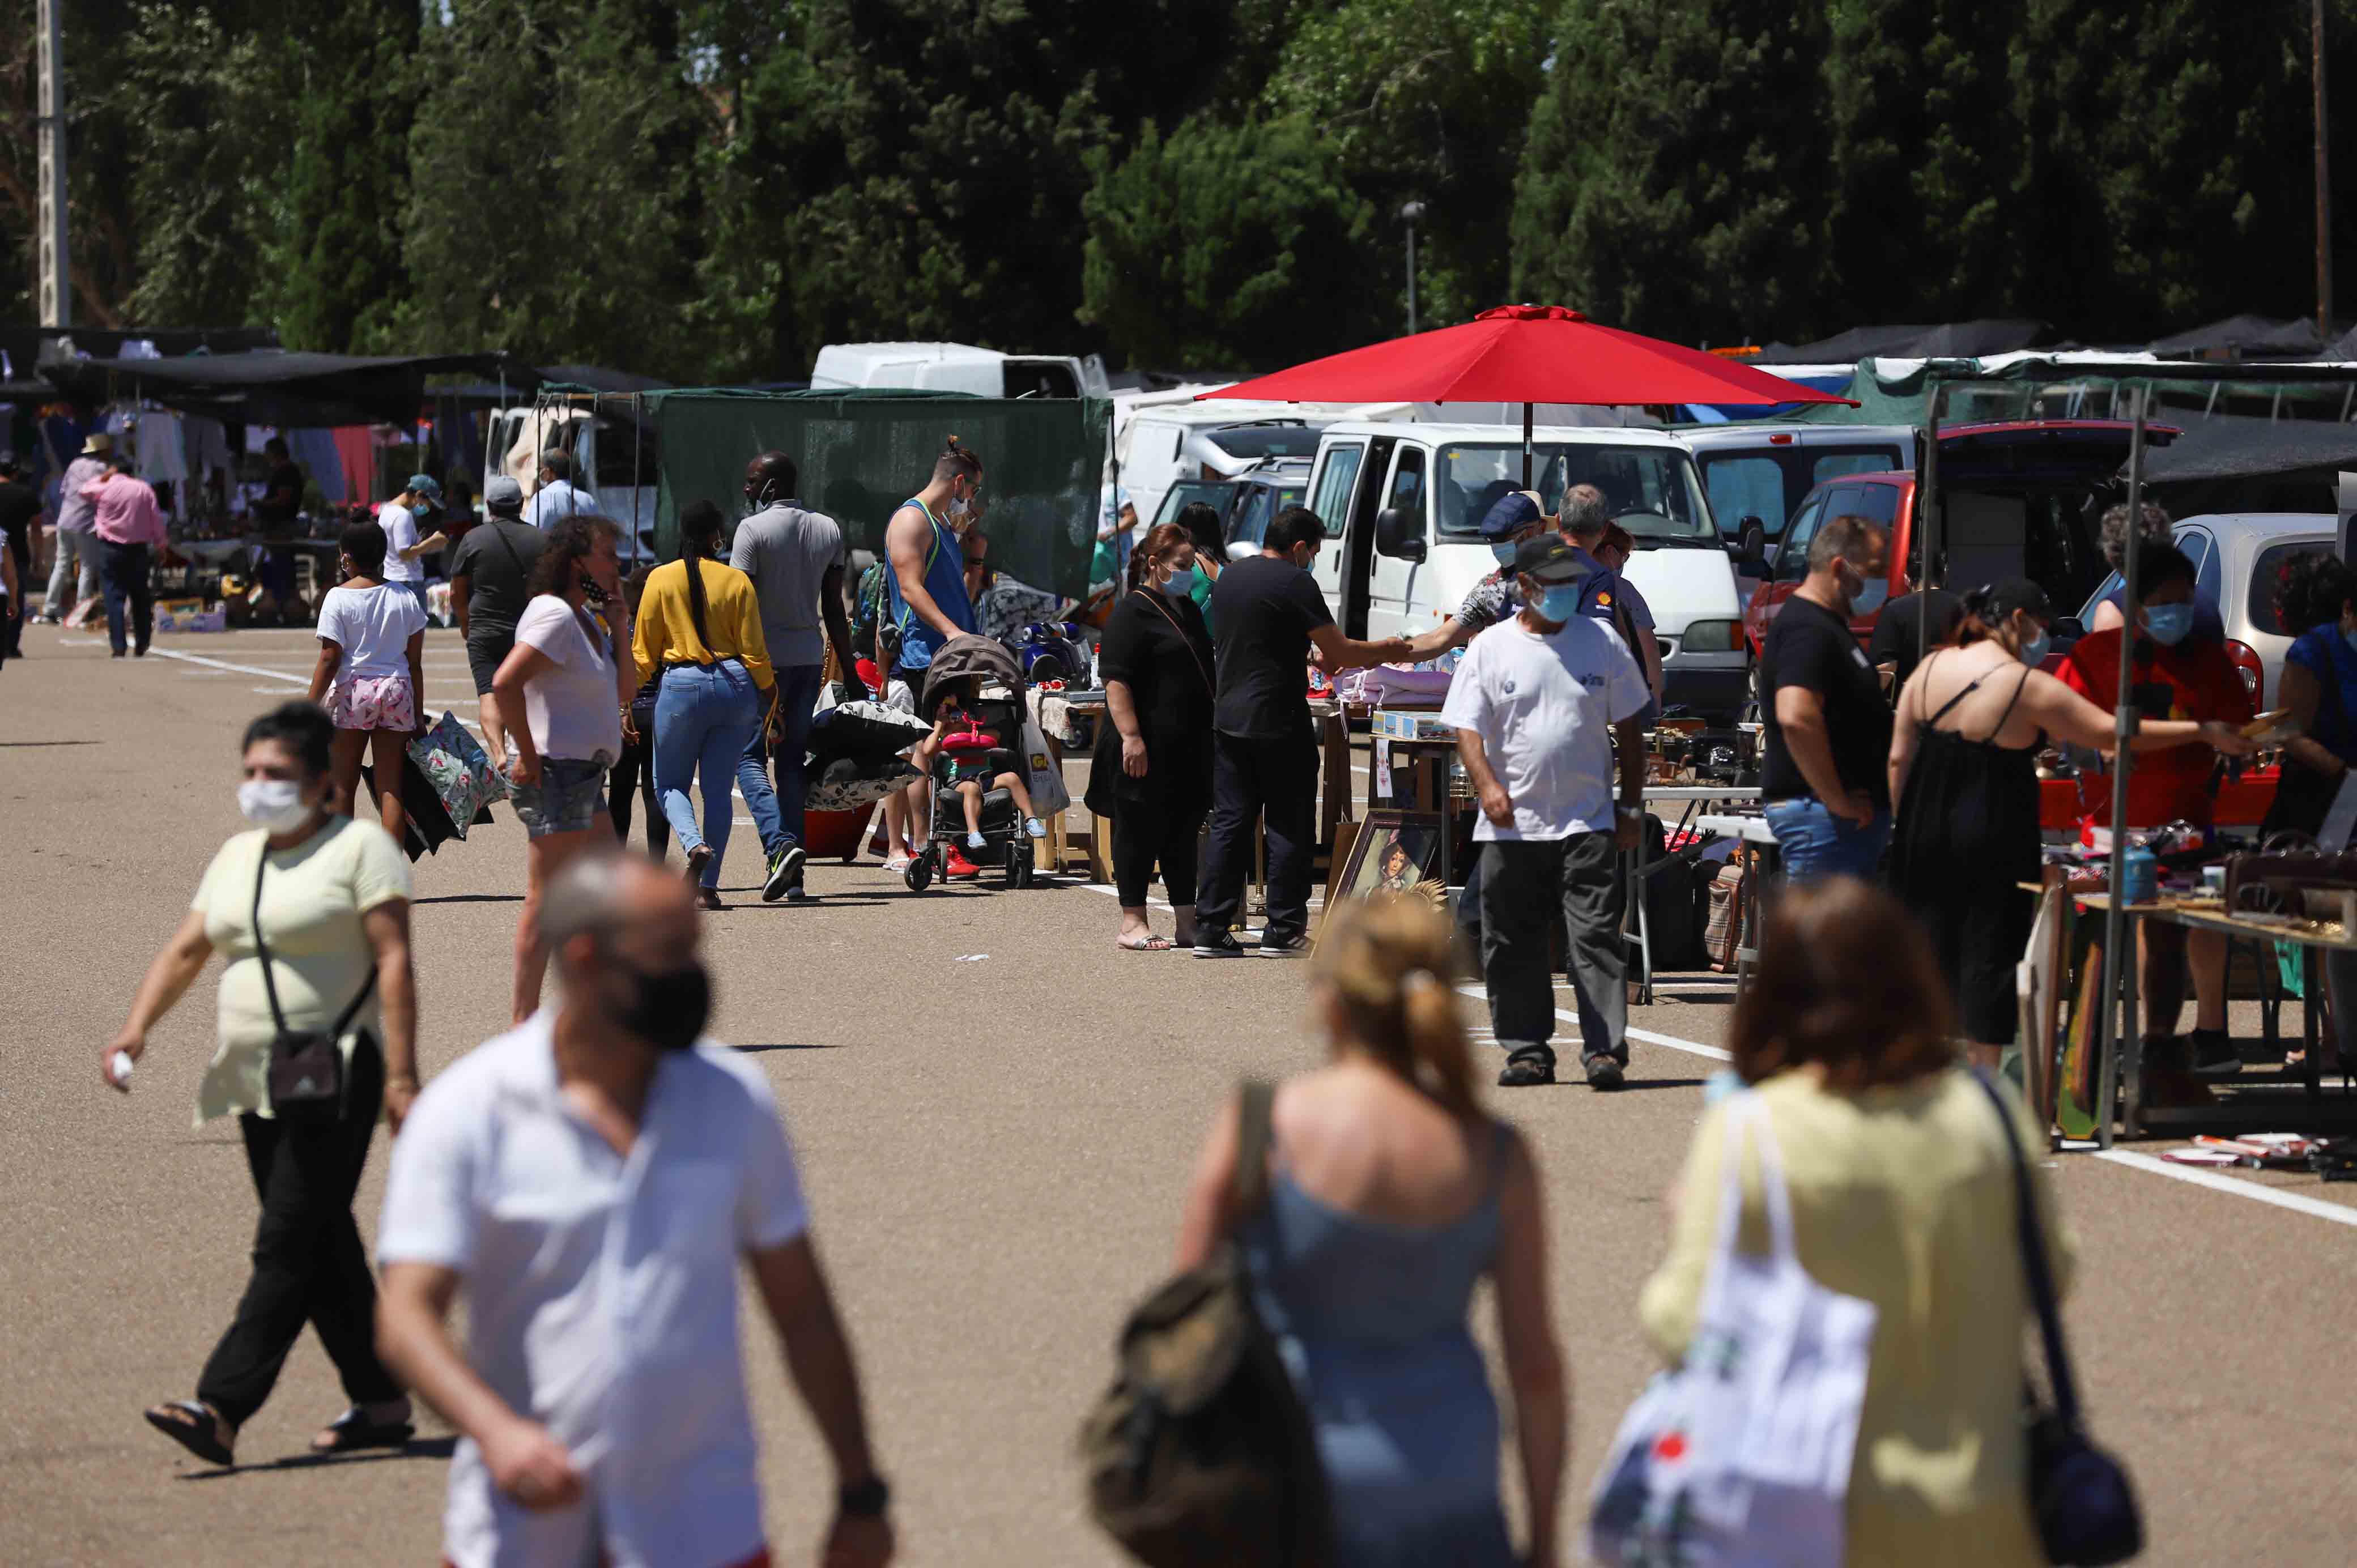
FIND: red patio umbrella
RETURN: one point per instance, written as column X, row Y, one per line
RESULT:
column 1526, row 354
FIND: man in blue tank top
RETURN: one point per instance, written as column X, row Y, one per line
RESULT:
column 925, row 590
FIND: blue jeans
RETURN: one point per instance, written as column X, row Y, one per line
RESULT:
column 704, row 716
column 778, row 813
column 1815, row 844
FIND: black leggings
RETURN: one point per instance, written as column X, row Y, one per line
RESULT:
column 1143, row 834
column 310, row 1264
column 634, row 772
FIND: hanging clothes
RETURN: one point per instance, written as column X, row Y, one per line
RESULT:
column 356, row 450
column 321, row 455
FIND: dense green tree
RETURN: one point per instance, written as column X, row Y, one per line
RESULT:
column 1668, row 185
column 1231, row 248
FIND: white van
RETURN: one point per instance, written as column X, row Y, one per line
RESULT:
column 957, row 366
column 1403, row 506
column 1758, row 472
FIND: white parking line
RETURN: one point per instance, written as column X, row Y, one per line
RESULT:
column 2315, row 1207
column 303, row 685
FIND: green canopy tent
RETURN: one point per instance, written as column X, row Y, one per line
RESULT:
column 862, row 452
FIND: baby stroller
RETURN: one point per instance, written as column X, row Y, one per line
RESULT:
column 995, row 741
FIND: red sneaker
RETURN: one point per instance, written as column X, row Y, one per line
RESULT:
column 955, row 865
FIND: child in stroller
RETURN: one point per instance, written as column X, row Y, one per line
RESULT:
column 981, row 800
column 959, row 735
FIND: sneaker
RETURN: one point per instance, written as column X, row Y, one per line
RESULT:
column 2215, row 1055
column 975, row 840
column 1218, row 944
column 794, row 894
column 1528, row 1068
column 955, row 865
column 785, row 871
column 1035, row 827
column 1284, row 947
column 1603, row 1069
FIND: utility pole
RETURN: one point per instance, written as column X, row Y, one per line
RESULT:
column 1411, row 211
column 57, row 293
column 2323, row 182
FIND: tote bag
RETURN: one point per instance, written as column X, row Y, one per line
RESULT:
column 1741, row 1456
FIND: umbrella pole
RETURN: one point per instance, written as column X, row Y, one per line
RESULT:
column 1526, row 445
column 1928, row 519
column 2123, row 729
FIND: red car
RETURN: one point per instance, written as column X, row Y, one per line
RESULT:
column 2023, row 500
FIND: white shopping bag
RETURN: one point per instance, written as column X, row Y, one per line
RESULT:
column 1739, row 1457
column 1043, row 773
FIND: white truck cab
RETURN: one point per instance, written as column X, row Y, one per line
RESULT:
column 1403, row 506
column 957, row 366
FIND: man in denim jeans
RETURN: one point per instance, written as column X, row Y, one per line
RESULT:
column 795, row 559
column 1823, row 775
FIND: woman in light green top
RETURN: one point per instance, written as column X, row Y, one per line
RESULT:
column 333, row 899
column 1903, row 1193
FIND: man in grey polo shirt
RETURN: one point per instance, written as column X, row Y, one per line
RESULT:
column 795, row 559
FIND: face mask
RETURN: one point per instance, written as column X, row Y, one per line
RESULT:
column 1559, row 603
column 2168, row 623
column 670, row 1007
column 1506, row 552
column 276, row 804
column 2033, row 651
column 1869, row 596
column 1179, row 583
column 592, row 592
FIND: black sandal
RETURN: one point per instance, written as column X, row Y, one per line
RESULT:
column 353, row 1430
column 194, row 1428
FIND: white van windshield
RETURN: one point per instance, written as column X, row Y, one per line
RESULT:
column 1650, row 491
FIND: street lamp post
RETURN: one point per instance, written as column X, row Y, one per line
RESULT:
column 1411, row 213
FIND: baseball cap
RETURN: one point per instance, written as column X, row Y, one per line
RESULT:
column 1514, row 511
column 502, row 495
column 1992, row 602
column 1549, row 559
column 427, row 486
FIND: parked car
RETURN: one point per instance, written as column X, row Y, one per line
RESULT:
column 1403, row 506
column 2241, row 560
column 1246, row 504
column 2022, row 500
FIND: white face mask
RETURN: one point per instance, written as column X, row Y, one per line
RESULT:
column 276, row 804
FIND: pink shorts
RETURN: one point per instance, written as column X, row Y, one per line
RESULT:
column 383, row 702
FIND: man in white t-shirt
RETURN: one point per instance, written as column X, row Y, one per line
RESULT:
column 592, row 1180
column 1537, row 704
column 422, row 497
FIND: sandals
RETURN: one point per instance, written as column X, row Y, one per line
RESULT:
column 353, row 1430
column 194, row 1428
column 1151, row 944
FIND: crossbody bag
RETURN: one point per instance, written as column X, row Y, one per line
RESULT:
column 305, row 1076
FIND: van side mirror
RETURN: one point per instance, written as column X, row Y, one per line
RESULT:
column 1399, row 534
column 2066, row 628
column 1751, row 549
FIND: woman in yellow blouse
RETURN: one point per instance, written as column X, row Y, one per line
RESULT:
column 699, row 628
column 1903, row 1193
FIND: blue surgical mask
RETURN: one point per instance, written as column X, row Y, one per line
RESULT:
column 1505, row 552
column 2033, row 653
column 1870, row 598
column 1559, row 603
column 2168, row 623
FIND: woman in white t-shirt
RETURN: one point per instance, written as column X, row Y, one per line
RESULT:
column 568, row 680
column 372, row 633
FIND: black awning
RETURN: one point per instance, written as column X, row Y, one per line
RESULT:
column 283, row 389
column 2234, row 446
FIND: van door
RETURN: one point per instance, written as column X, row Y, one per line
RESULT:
column 1356, row 546
column 1329, row 497
column 1391, row 597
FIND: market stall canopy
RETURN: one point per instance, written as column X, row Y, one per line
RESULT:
column 2241, row 336
column 272, row 387
column 1954, row 339
column 1524, row 354
column 2227, row 447
column 25, row 346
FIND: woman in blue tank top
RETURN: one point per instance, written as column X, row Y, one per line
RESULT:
column 1390, row 1193
column 923, row 535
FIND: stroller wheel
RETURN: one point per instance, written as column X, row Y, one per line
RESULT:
column 1019, row 859
column 920, row 875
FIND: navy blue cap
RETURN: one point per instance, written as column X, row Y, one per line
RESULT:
column 1515, row 510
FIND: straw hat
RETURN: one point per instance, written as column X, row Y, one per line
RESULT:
column 98, row 443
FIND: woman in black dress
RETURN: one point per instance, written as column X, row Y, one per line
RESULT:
column 1152, row 770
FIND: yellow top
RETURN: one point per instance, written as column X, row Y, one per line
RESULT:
column 320, row 955
column 1903, row 1197
column 666, row 632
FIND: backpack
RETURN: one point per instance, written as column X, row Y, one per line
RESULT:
column 1200, row 1455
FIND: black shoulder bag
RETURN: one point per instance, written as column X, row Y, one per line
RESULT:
column 1200, row 1455
column 2080, row 1497
column 305, row 1076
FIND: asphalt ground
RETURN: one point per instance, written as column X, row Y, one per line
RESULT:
column 994, row 1149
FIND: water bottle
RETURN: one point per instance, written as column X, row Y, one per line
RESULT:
column 2140, row 880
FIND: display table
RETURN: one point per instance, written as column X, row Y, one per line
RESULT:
column 2254, row 1103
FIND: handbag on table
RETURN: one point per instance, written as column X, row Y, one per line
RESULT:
column 1740, row 1455
column 306, row 1075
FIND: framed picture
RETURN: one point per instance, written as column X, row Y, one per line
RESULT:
column 1395, row 852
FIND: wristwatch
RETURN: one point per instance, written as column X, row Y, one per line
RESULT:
column 1629, row 813
column 863, row 1499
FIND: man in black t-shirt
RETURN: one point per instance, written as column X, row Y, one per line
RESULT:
column 1266, row 615
column 279, row 511
column 490, row 572
column 20, row 509
column 1825, row 776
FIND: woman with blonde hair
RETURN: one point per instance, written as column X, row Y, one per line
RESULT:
column 1390, row 1193
column 1903, row 1190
